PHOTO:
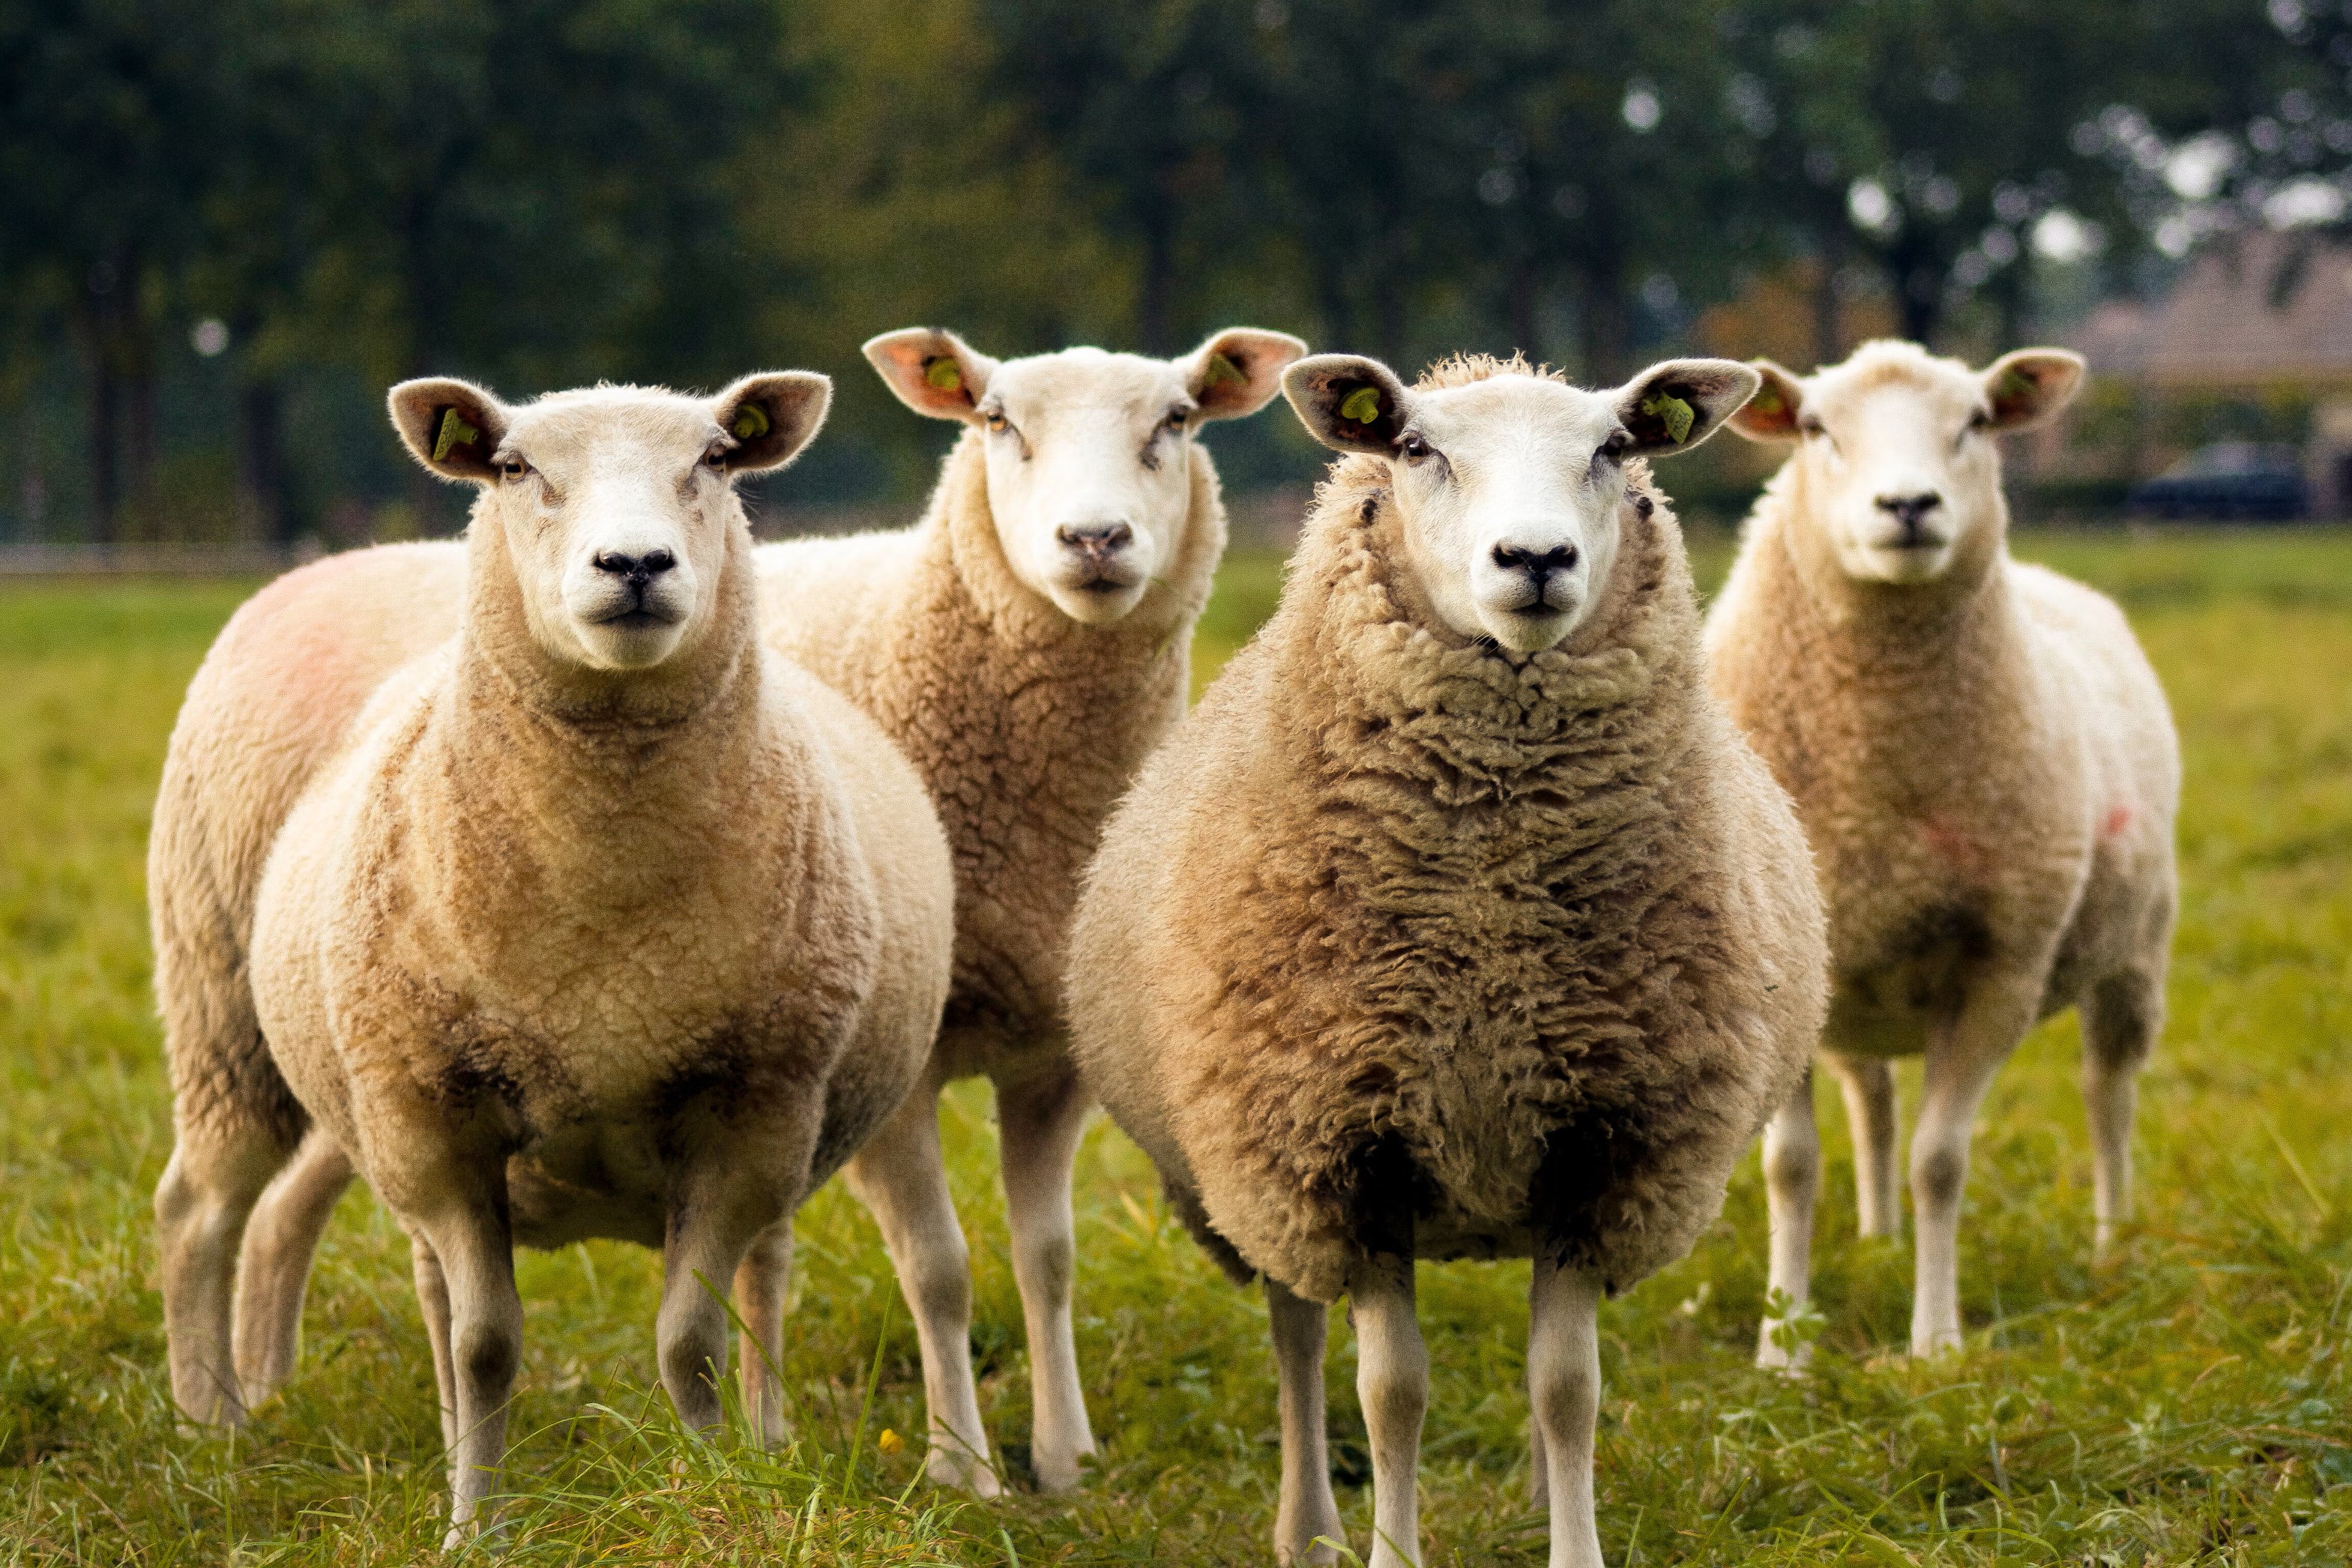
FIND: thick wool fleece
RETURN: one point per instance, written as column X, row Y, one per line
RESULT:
column 1025, row 725
column 592, row 922
column 1985, row 765
column 1530, row 943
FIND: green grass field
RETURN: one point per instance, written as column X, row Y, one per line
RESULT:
column 2185, row 1403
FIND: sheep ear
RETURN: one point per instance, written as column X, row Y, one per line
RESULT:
column 1349, row 403
column 1676, row 403
column 933, row 371
column 2026, row 386
column 451, row 426
column 1238, row 371
column 770, row 417
column 1771, row 414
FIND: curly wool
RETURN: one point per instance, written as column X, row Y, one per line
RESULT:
column 1025, row 725
column 1542, row 924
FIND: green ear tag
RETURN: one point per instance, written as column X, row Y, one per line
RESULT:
column 1674, row 412
column 752, row 422
column 1362, row 406
column 1221, row 368
column 454, row 432
column 944, row 373
column 1766, row 402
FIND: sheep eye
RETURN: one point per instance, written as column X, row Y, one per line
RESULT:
column 1615, row 446
column 716, row 458
column 1809, row 426
column 1175, row 421
column 1413, row 447
column 997, row 424
column 511, row 470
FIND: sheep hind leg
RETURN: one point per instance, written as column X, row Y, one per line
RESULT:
column 1792, row 1168
column 2122, row 1014
column 901, row 1177
column 1039, row 1125
column 762, row 1281
column 1307, row 1527
column 433, row 1304
column 1962, row 1057
column 273, row 1274
column 215, row 1175
column 1564, row 1387
column 1393, row 1384
column 1867, row 1086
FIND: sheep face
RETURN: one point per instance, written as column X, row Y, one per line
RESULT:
column 1089, row 467
column 1895, row 466
column 614, row 504
column 1511, row 487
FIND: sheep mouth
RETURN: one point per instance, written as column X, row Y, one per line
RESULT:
column 640, row 618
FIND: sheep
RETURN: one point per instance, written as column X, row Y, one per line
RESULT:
column 1026, row 644
column 1457, row 920
column 1986, row 769
column 603, row 919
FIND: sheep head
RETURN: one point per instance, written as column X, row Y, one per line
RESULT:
column 614, row 503
column 1896, row 470
column 1089, row 467
column 1509, row 482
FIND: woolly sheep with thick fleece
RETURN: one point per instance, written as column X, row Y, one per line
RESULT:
column 1985, row 765
column 603, row 921
column 1026, row 644
column 1457, row 920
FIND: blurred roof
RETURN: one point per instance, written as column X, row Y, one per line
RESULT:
column 2265, row 308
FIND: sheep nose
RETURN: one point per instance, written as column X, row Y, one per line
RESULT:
column 1539, row 564
column 1095, row 537
column 1910, row 510
column 638, row 570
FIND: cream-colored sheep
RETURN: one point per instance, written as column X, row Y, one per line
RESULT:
column 1985, row 765
column 603, row 919
column 1026, row 644
column 1457, row 920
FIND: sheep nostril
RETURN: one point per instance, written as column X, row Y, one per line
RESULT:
column 1096, row 537
column 1538, row 564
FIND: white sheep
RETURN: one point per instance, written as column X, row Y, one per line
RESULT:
column 603, row 921
column 1985, row 766
column 1026, row 644
column 1457, row 920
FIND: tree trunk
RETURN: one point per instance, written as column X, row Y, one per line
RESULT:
column 261, row 509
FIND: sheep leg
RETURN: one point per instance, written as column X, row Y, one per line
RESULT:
column 902, row 1179
column 1792, row 1171
column 1867, row 1085
column 474, row 1251
column 209, row 1187
column 1564, row 1386
column 273, row 1274
column 1039, row 1124
column 432, row 1302
column 2121, row 1017
column 1308, row 1513
column 1393, row 1384
column 1962, row 1057
column 734, row 1192
column 761, row 1282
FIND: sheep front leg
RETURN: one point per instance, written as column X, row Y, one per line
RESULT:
column 1867, row 1085
column 902, row 1179
column 1962, row 1057
column 1039, row 1124
column 1564, row 1386
column 736, row 1189
column 1792, row 1169
column 1308, row 1513
column 762, row 1281
column 1393, row 1384
column 475, row 1253
column 274, row 1266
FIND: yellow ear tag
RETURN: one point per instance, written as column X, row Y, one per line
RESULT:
column 454, row 432
column 1221, row 368
column 1674, row 412
column 1362, row 406
column 1766, row 402
column 944, row 373
column 752, row 422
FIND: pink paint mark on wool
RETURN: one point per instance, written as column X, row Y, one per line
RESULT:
column 1953, row 846
column 2118, row 818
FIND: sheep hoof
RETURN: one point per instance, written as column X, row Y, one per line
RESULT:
column 962, row 1471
